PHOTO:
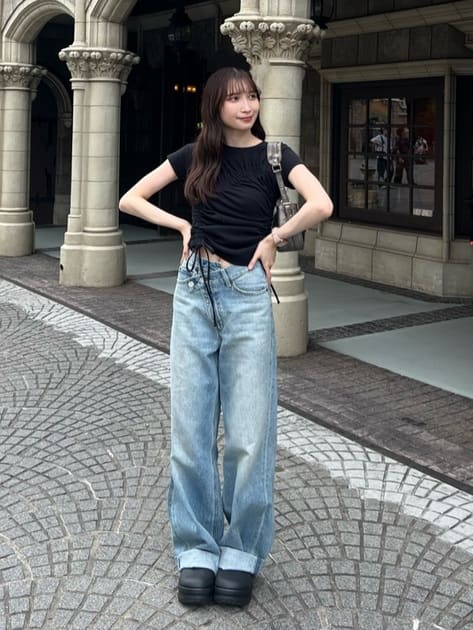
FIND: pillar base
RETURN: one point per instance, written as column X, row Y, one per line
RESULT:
column 291, row 318
column 291, row 323
column 88, row 266
column 16, row 233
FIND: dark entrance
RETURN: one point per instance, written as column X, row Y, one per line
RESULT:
column 160, row 113
column 58, row 33
column 43, row 156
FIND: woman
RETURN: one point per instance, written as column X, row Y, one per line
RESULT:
column 381, row 147
column 223, row 356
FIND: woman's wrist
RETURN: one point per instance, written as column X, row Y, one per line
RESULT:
column 277, row 238
column 184, row 227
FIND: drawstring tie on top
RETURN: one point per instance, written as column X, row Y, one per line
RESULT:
column 196, row 257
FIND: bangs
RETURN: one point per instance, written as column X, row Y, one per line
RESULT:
column 240, row 86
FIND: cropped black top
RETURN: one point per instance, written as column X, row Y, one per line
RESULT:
column 239, row 215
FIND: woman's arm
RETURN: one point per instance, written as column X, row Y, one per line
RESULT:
column 317, row 207
column 135, row 202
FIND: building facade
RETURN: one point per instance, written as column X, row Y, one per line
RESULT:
column 94, row 93
column 403, row 206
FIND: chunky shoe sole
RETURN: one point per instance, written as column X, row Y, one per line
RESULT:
column 195, row 597
column 195, row 587
column 233, row 588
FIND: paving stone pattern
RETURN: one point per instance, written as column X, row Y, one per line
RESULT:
column 423, row 426
column 362, row 541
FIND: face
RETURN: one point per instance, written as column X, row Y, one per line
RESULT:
column 240, row 108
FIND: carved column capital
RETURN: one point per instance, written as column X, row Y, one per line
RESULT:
column 98, row 63
column 264, row 38
column 20, row 75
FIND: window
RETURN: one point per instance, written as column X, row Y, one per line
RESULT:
column 388, row 153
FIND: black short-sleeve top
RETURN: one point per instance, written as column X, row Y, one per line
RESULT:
column 239, row 215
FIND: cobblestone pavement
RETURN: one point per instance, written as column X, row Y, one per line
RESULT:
column 421, row 425
column 363, row 541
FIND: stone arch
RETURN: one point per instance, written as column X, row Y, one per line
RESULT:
column 61, row 95
column 111, row 10
column 29, row 17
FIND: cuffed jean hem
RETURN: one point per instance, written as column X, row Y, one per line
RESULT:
column 198, row 559
column 236, row 560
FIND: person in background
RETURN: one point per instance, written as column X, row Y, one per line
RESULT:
column 381, row 147
column 402, row 150
column 223, row 349
column 421, row 148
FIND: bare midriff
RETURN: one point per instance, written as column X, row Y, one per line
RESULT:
column 204, row 253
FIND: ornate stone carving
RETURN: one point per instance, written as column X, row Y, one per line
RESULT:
column 20, row 75
column 98, row 63
column 262, row 39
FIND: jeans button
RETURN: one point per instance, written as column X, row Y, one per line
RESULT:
column 191, row 284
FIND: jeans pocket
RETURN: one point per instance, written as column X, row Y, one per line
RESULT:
column 250, row 282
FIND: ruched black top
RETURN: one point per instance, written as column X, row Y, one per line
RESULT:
column 239, row 215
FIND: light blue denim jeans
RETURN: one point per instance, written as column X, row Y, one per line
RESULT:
column 223, row 359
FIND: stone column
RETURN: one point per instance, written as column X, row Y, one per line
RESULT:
column 276, row 47
column 18, row 84
column 93, row 253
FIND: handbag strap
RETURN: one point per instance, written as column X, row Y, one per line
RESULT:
column 274, row 158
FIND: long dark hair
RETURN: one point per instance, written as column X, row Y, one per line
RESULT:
column 207, row 153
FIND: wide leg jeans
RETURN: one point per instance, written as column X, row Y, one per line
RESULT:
column 223, row 364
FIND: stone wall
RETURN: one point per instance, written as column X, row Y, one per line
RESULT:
column 440, row 41
column 348, row 9
column 401, row 259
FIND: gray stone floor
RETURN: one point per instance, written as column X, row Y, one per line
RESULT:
column 363, row 541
